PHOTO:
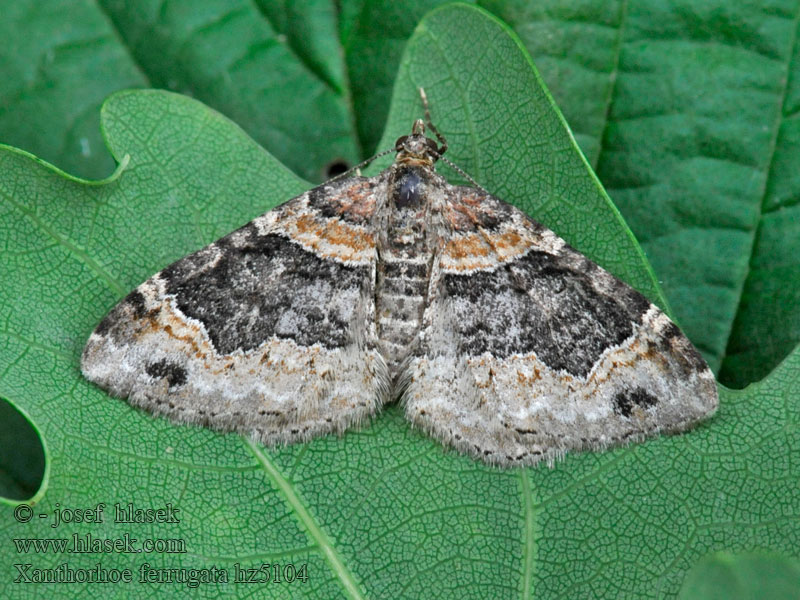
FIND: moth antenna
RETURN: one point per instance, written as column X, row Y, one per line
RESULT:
column 357, row 167
column 463, row 173
column 443, row 147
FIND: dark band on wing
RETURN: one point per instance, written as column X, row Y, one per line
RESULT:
column 133, row 302
column 541, row 304
column 267, row 286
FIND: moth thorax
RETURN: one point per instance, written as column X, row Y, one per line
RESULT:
column 408, row 188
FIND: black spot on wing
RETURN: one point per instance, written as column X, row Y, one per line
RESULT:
column 132, row 305
column 173, row 373
column 671, row 331
column 319, row 200
column 625, row 401
column 695, row 359
column 135, row 301
column 266, row 286
column 541, row 304
column 672, row 340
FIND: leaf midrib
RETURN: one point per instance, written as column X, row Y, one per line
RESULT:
column 768, row 166
column 80, row 254
column 346, row 96
column 312, row 527
column 613, row 77
column 612, row 88
column 529, row 534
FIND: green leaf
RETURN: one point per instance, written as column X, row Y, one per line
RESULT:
column 58, row 63
column 688, row 111
column 310, row 28
column 374, row 34
column 509, row 135
column 224, row 53
column 383, row 512
column 218, row 51
column 727, row 576
column 576, row 47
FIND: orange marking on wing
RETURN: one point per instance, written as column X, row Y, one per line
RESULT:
column 462, row 213
column 511, row 239
column 523, row 379
column 466, row 246
column 188, row 339
column 467, row 252
column 359, row 201
column 470, row 250
column 650, row 355
column 332, row 238
column 163, row 319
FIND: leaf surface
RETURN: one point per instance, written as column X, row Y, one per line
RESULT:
column 58, row 64
column 727, row 576
column 687, row 110
column 689, row 113
column 382, row 512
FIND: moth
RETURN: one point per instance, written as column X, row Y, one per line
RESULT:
column 496, row 336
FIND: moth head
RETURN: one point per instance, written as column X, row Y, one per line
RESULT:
column 416, row 149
